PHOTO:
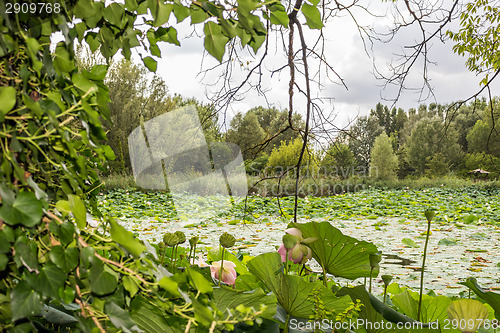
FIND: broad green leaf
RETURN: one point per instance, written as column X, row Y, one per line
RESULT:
column 8, row 98
column 409, row 242
column 180, row 12
column 65, row 259
column 81, row 82
column 130, row 285
column 373, row 311
column 433, row 308
column 197, row 15
column 120, row 318
column 226, row 299
column 4, row 260
column 150, row 63
column 25, row 301
column 199, row 281
column 78, row 209
column 313, row 16
column 26, row 210
column 168, row 284
column 470, row 313
column 62, row 61
column 49, row 280
column 150, row 318
column 114, row 14
column 26, row 255
column 292, row 292
column 215, row 40
column 126, row 239
column 101, row 282
column 338, row 254
column 162, row 14
column 57, row 316
column 493, row 299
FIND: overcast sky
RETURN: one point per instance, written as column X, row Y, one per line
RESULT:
column 180, row 68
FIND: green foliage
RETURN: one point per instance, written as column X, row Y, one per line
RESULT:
column 339, row 161
column 383, row 161
column 287, row 156
column 429, row 138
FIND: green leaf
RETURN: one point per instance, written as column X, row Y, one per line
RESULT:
column 57, row 316
column 49, row 280
column 180, row 12
column 62, row 61
column 114, row 14
column 150, row 63
column 25, row 301
column 126, row 239
column 78, row 209
column 433, row 308
column 215, row 40
column 81, row 82
column 292, row 292
column 8, row 98
column 409, row 242
column 120, row 318
column 101, row 282
column 150, row 318
column 313, row 16
column 199, row 281
column 4, row 260
column 375, row 312
column 337, row 253
column 227, row 299
column 469, row 311
column 130, row 285
column 26, row 210
column 493, row 299
column 162, row 13
column 168, row 284
column 65, row 259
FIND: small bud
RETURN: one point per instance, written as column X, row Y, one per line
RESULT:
column 375, row 258
column 181, row 238
column 387, row 279
column 170, row 239
column 429, row 215
column 289, row 241
column 227, row 240
column 193, row 241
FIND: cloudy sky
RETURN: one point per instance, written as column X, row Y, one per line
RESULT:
column 181, row 68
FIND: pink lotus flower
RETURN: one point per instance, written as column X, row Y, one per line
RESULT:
column 300, row 253
column 228, row 271
column 200, row 262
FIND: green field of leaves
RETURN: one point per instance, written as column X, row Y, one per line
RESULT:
column 466, row 205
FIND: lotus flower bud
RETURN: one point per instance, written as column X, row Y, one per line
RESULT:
column 181, row 238
column 227, row 240
column 170, row 239
column 289, row 241
column 429, row 215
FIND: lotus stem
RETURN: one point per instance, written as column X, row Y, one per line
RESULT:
column 221, row 266
column 371, row 272
column 385, row 292
column 429, row 215
column 163, row 256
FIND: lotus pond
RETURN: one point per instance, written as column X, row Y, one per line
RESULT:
column 463, row 243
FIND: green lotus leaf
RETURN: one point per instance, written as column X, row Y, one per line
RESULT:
column 338, row 254
column 493, row 299
column 292, row 292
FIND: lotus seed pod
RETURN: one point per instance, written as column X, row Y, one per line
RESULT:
column 161, row 245
column 387, row 279
column 170, row 239
column 429, row 215
column 181, row 238
column 193, row 241
column 289, row 241
column 227, row 240
column 375, row 258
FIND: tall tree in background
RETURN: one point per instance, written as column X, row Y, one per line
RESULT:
column 361, row 136
column 338, row 161
column 384, row 161
column 429, row 138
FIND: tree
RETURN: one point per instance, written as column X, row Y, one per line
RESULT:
column 285, row 157
column 361, row 136
column 429, row 138
column 384, row 161
column 338, row 161
column 484, row 136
